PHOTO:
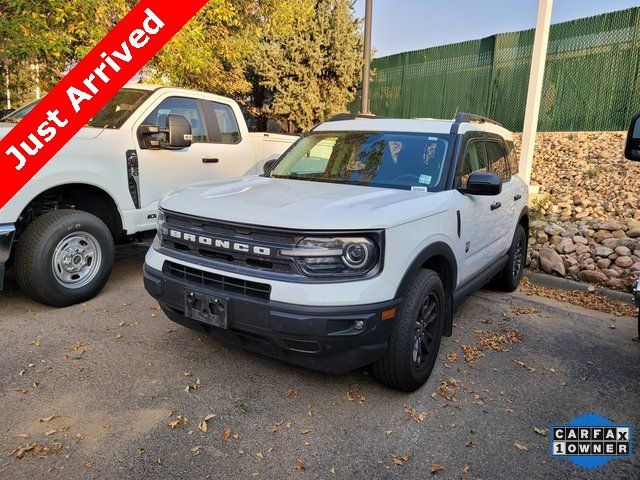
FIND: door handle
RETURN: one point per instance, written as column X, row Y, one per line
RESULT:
column 517, row 197
column 210, row 160
column 495, row 206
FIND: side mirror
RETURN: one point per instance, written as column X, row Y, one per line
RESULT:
column 480, row 183
column 632, row 147
column 268, row 165
column 179, row 131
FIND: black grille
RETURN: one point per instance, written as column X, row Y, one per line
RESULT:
column 264, row 236
column 217, row 281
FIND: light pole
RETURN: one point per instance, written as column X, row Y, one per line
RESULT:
column 366, row 67
column 536, row 79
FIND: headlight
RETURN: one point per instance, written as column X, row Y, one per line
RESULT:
column 338, row 256
column 161, row 219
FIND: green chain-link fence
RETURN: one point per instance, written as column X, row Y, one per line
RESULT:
column 591, row 81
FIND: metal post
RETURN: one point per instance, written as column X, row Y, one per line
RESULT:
column 366, row 67
column 536, row 79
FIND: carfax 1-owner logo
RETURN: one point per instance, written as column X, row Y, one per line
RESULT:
column 590, row 441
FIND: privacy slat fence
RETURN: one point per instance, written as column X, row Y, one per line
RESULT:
column 591, row 82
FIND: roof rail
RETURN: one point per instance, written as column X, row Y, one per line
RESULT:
column 462, row 117
column 350, row 116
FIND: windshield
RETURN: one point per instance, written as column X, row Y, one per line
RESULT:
column 377, row 159
column 15, row 117
column 119, row 108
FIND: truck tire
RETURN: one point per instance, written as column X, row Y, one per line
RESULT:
column 508, row 279
column 416, row 336
column 64, row 257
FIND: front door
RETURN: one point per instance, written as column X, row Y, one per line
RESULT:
column 217, row 150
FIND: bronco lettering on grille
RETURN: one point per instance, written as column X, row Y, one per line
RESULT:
column 221, row 244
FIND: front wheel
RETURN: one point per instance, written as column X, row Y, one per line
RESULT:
column 64, row 257
column 416, row 336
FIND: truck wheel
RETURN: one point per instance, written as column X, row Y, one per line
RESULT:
column 415, row 340
column 509, row 277
column 64, row 257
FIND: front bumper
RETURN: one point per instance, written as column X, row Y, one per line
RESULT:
column 320, row 338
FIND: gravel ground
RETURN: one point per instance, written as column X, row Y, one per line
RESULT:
column 114, row 374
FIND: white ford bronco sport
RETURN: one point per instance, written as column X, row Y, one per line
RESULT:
column 352, row 249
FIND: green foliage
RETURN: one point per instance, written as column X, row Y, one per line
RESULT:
column 293, row 60
column 312, row 71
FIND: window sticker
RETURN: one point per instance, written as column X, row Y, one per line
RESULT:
column 425, row 179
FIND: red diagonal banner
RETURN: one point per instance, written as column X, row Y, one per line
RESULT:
column 87, row 88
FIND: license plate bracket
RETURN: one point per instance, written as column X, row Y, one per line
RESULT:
column 209, row 309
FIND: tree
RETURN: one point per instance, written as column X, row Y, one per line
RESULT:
column 312, row 72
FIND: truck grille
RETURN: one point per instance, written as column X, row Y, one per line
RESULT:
column 219, row 282
column 274, row 240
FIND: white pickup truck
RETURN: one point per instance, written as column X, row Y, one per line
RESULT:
column 58, row 232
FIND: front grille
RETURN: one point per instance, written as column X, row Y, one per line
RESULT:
column 217, row 281
column 268, row 237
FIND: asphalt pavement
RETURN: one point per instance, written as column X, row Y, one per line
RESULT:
column 113, row 389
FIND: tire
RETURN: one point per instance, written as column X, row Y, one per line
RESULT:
column 64, row 257
column 400, row 368
column 508, row 279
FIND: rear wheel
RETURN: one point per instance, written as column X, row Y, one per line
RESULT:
column 64, row 257
column 509, row 277
column 415, row 340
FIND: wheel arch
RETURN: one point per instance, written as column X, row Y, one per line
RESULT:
column 78, row 196
column 439, row 257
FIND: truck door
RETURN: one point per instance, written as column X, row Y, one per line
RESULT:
column 217, row 151
column 479, row 229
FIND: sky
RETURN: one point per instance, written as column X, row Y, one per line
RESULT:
column 403, row 25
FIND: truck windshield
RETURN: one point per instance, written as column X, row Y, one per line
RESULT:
column 15, row 117
column 119, row 108
column 377, row 159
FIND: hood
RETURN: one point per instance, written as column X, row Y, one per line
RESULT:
column 304, row 205
column 85, row 133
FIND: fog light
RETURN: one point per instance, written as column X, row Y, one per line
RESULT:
column 358, row 324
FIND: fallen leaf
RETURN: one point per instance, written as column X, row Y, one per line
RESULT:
column 50, row 432
column 332, row 471
column 196, row 449
column 453, row 356
column 175, row 424
column 522, row 447
column 436, row 467
column 299, row 465
column 226, row 434
column 49, row 418
column 155, row 308
column 541, row 431
column 260, row 455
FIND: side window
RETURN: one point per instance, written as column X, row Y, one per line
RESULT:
column 188, row 108
column 498, row 160
column 475, row 160
column 514, row 161
column 221, row 123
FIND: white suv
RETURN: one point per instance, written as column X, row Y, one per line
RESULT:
column 352, row 249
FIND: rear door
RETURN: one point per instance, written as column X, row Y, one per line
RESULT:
column 478, row 226
column 498, row 157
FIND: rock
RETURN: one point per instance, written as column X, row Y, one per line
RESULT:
column 623, row 251
column 592, row 276
column 633, row 232
column 581, row 240
column 551, row 262
column 601, row 235
column 554, row 230
column 603, row 251
column 609, row 272
column 614, row 243
column 538, row 224
column 603, row 263
column 569, row 248
column 624, row 262
column 635, row 267
column 612, row 225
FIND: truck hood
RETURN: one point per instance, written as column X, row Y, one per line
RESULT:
column 303, row 205
column 85, row 133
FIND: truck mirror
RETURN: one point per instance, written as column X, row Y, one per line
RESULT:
column 632, row 147
column 179, row 131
